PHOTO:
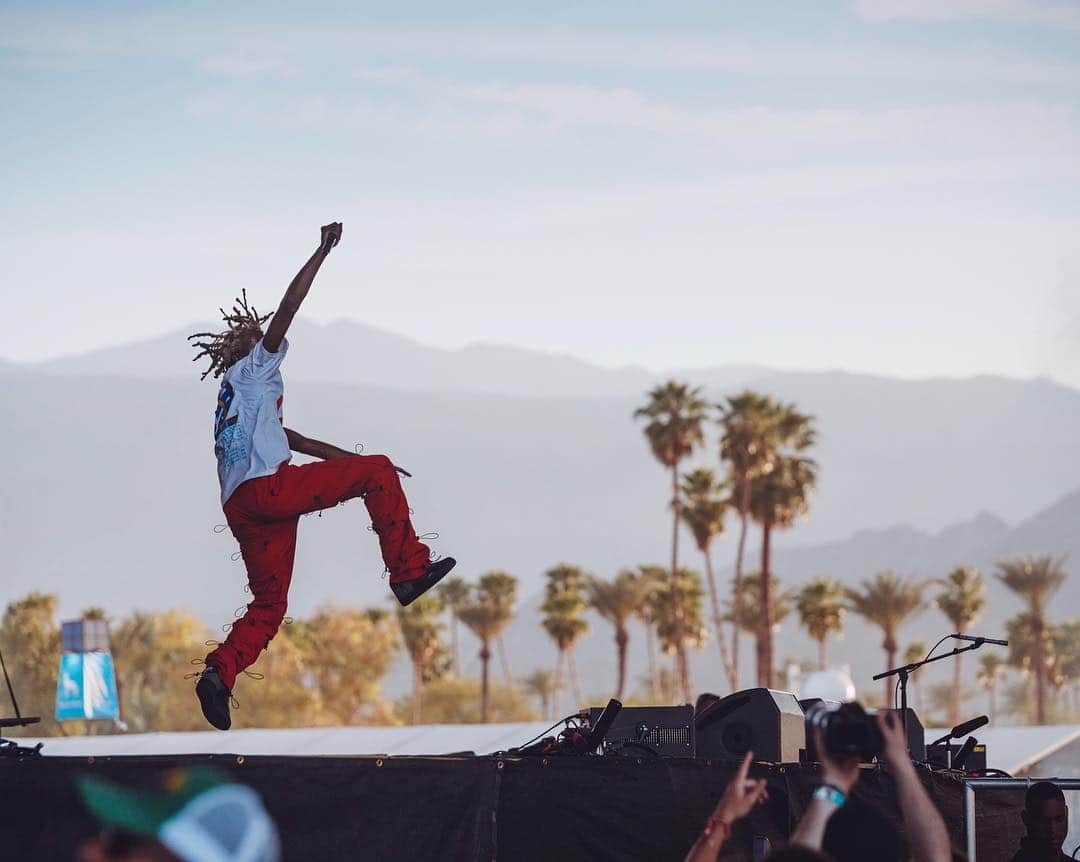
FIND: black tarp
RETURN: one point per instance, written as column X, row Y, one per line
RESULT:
column 471, row 808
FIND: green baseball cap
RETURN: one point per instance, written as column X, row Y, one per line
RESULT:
column 197, row 812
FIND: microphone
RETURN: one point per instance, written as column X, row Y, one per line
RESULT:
column 603, row 724
column 966, row 727
column 979, row 640
column 960, row 758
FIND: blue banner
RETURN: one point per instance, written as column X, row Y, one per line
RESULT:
column 86, row 687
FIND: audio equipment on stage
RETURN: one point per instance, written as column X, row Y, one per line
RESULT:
column 973, row 761
column 942, row 754
column 770, row 723
column 8, row 746
column 667, row 731
column 600, row 726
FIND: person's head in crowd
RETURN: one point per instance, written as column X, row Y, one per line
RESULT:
column 860, row 831
column 704, row 701
column 1046, row 818
column 194, row 815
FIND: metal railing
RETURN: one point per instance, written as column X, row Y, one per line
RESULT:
column 973, row 784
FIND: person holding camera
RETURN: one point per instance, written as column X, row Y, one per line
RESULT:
column 925, row 828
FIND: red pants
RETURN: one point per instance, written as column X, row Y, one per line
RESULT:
column 263, row 514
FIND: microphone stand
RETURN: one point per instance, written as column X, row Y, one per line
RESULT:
column 904, row 672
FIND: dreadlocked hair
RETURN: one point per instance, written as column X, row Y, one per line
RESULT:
column 226, row 348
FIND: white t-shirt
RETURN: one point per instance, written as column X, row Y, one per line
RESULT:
column 249, row 440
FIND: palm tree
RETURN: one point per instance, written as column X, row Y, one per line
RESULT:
column 541, row 684
column 821, row 611
column 503, row 589
column 486, row 613
column 1035, row 580
column 454, row 592
column 704, row 508
column 563, row 609
column 745, row 612
column 778, row 499
column 961, row 601
column 675, row 413
column 616, row 601
column 679, row 623
column 652, row 580
column 991, row 671
column 421, row 630
column 747, row 445
column 886, row 601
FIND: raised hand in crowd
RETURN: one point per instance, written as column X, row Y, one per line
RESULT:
column 740, row 797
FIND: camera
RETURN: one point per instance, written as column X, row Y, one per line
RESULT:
column 846, row 729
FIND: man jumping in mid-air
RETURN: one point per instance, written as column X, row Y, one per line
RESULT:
column 263, row 495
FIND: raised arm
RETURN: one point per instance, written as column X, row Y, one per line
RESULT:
column 298, row 289
column 739, row 798
column 926, row 832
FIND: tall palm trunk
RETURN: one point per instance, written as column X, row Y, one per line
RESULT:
column 822, row 654
column 485, row 657
column 681, row 664
column 765, row 633
column 718, row 621
column 455, row 652
column 889, row 645
column 993, row 700
column 622, row 639
column 744, row 517
column 654, row 671
column 417, row 692
column 1038, row 624
column 575, row 680
column 556, row 695
column 504, row 661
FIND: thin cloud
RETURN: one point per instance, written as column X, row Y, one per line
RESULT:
column 1052, row 15
column 257, row 50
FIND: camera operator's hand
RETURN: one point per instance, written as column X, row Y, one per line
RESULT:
column 840, row 771
column 895, row 750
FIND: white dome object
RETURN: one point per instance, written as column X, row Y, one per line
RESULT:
column 828, row 685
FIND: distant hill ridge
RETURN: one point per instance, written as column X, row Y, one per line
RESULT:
column 348, row 351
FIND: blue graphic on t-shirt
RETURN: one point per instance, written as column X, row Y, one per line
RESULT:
column 224, row 402
column 228, row 432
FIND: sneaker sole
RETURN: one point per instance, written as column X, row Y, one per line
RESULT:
column 429, row 579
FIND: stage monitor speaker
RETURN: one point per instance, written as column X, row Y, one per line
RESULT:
column 770, row 723
column 667, row 731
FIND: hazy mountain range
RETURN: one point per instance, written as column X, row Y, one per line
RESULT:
column 522, row 459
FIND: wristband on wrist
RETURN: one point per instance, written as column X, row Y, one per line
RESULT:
column 830, row 793
column 716, row 824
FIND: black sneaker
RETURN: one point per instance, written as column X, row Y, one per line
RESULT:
column 214, row 698
column 408, row 592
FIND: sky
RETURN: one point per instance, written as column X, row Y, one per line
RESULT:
column 889, row 186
